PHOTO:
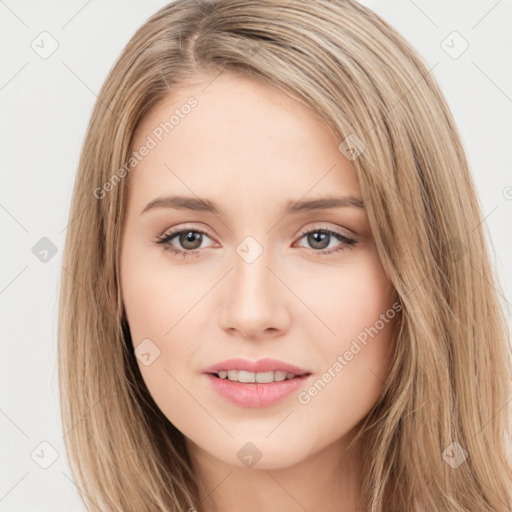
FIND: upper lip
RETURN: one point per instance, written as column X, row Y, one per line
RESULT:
column 262, row 365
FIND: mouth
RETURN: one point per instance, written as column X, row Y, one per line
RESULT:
column 256, row 384
column 247, row 377
column 263, row 371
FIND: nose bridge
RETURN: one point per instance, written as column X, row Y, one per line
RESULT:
column 253, row 303
column 251, row 274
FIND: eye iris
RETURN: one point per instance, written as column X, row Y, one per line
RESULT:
column 190, row 237
column 318, row 237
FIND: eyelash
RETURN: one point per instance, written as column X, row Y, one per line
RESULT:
column 166, row 238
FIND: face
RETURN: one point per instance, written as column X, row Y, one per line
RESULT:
column 253, row 277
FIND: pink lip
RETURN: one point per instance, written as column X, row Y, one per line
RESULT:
column 255, row 394
column 263, row 365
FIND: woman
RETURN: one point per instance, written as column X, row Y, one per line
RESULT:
column 276, row 291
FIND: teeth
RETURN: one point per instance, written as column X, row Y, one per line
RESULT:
column 278, row 376
column 244, row 376
column 233, row 374
column 265, row 377
column 260, row 377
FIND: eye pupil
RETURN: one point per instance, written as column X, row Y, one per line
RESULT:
column 316, row 238
column 190, row 237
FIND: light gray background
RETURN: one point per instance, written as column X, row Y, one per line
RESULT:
column 45, row 108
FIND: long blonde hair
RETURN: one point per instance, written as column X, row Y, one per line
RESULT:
column 448, row 389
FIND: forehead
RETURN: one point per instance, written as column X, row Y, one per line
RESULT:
column 240, row 136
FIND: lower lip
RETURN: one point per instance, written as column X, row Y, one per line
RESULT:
column 255, row 394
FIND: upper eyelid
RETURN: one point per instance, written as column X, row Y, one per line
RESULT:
column 344, row 231
column 338, row 231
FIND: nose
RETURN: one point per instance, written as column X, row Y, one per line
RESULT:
column 254, row 302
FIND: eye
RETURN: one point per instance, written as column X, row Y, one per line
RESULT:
column 320, row 239
column 190, row 240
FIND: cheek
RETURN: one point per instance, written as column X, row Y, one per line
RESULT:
column 366, row 329
column 155, row 293
column 349, row 299
column 363, row 315
column 156, row 302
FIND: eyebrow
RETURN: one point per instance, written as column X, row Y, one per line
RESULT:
column 205, row 205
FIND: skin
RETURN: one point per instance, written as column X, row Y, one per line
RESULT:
column 251, row 148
